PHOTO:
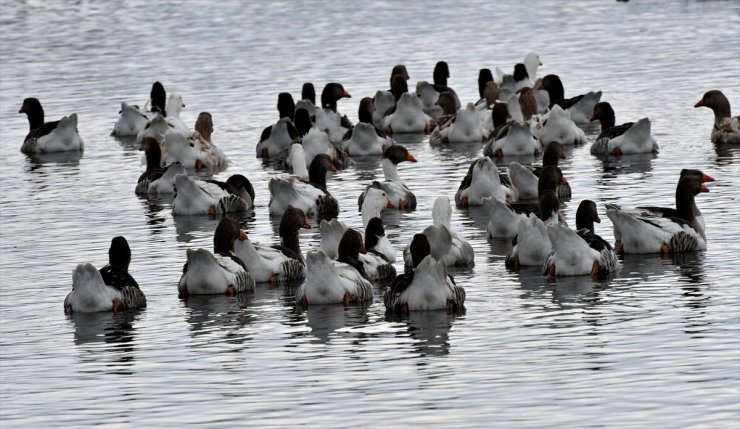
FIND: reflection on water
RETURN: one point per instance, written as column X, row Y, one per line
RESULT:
column 429, row 331
column 325, row 320
column 626, row 164
column 107, row 337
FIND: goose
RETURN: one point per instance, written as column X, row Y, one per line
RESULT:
column 330, row 96
column 312, row 196
column 525, row 179
column 308, row 96
column 399, row 194
column 464, row 128
column 626, row 139
column 220, row 272
column 580, row 107
column 532, row 243
column 446, row 102
column 581, row 251
column 428, row 96
column 446, row 245
column 426, row 286
column 330, row 122
column 379, row 255
column 286, row 106
column 532, row 63
column 332, row 230
column 482, row 180
column 157, row 127
column 276, row 138
column 274, row 264
column 518, row 141
column 726, row 127
column 336, row 282
column 503, row 219
column 384, row 102
column 409, row 116
column 485, row 77
column 173, row 108
column 365, row 141
column 664, row 235
column 197, row 197
column 320, row 142
column 195, row 148
column 439, row 76
column 158, row 99
column 110, row 289
column 557, row 126
column 156, row 179
column 48, row 137
column 131, row 121
column 671, row 212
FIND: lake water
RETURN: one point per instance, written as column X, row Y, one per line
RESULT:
column 656, row 346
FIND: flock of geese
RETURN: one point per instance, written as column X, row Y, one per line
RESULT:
column 516, row 114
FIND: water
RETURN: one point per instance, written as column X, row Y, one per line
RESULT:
column 657, row 346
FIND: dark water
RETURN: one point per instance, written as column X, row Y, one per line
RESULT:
column 656, row 346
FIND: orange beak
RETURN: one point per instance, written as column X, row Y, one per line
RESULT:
column 333, row 169
column 706, row 178
column 593, row 118
column 563, row 180
column 306, row 225
column 389, row 204
column 703, row 188
column 410, row 157
column 597, row 220
column 346, row 95
column 699, row 103
column 242, row 235
column 363, row 250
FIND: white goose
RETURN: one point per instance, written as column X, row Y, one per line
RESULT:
column 156, row 179
column 330, row 122
column 518, row 141
column 221, row 272
column 664, row 235
column 466, row 127
column 379, row 255
column 426, row 286
column 276, row 138
column 131, row 122
column 581, row 251
column 312, row 196
column 173, row 108
column 446, row 245
column 197, row 197
column 399, row 194
column 409, row 116
column 384, row 102
column 557, row 126
column 626, row 139
column 48, row 137
column 89, row 293
column 318, row 141
column 329, row 282
column 365, row 141
column 503, row 220
column 482, row 181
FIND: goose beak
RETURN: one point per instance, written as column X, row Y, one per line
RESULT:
column 363, row 250
column 306, row 225
column 242, row 235
column 346, row 95
column 598, row 219
column 410, row 157
column 706, row 178
column 389, row 204
column 333, row 169
column 699, row 103
column 563, row 180
column 593, row 118
column 703, row 188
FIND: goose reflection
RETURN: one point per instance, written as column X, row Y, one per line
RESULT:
column 626, row 164
column 727, row 154
column 215, row 316
column 325, row 320
column 191, row 227
column 107, row 337
column 40, row 160
column 156, row 211
column 429, row 331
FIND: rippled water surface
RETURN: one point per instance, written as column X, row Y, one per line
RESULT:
column 656, row 346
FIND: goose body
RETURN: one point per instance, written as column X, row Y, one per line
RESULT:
column 89, row 293
column 446, row 245
column 524, row 180
column 197, row 197
column 557, row 126
column 331, row 233
column 384, row 102
column 310, row 196
column 49, row 137
column 379, row 255
column 365, row 141
column 465, row 128
column 428, row 287
column 409, row 116
column 532, row 243
column 268, row 264
column 209, row 274
column 482, row 181
column 318, row 142
column 330, row 122
column 503, row 221
column 157, row 128
column 518, row 141
column 276, row 138
column 131, row 121
column 331, row 282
